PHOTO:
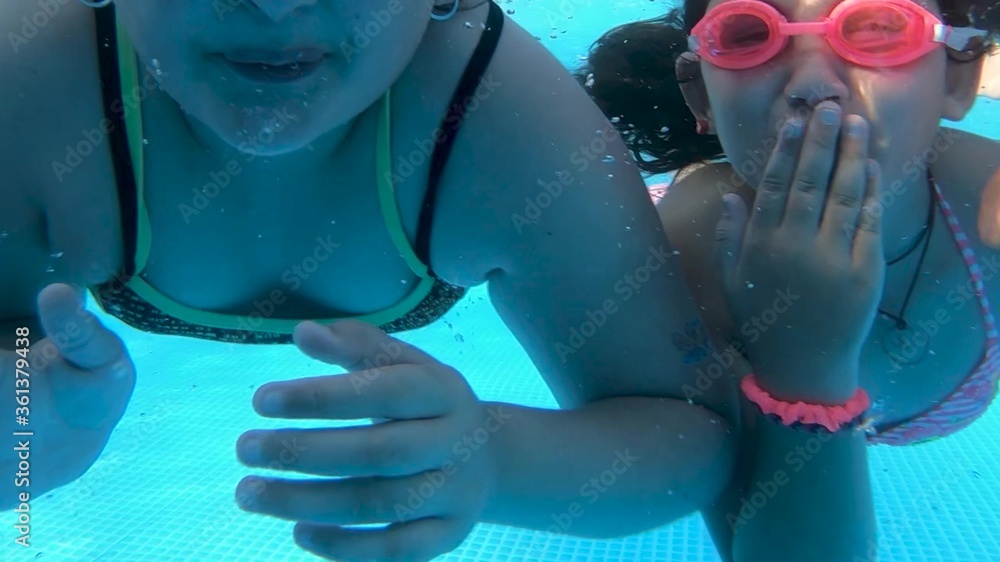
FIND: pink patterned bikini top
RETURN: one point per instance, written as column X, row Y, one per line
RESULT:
column 973, row 397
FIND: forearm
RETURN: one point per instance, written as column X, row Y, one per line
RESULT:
column 809, row 497
column 610, row 469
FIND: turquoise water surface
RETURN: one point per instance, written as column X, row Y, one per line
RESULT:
column 164, row 488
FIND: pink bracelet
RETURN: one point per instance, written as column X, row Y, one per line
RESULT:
column 830, row 417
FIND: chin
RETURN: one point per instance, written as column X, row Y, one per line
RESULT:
column 274, row 148
column 265, row 131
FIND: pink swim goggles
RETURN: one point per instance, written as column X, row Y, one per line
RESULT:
column 741, row 34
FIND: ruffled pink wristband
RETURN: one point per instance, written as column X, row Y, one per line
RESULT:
column 830, row 417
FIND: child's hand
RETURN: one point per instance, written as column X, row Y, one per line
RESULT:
column 425, row 469
column 805, row 273
column 79, row 379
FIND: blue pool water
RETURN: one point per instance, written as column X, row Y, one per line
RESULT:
column 164, row 488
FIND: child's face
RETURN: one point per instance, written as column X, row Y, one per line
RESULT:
column 903, row 104
column 211, row 57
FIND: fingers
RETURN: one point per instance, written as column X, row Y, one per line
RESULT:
column 729, row 233
column 808, row 192
column 850, row 183
column 395, row 392
column 389, row 449
column 346, row 501
column 77, row 334
column 868, row 250
column 772, row 192
column 415, row 541
column 356, row 346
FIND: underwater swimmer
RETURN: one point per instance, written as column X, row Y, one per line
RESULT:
column 819, row 241
column 326, row 172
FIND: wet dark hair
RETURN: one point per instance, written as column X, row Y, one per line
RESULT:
column 630, row 75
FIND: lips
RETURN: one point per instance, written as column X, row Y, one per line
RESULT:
column 275, row 57
column 287, row 65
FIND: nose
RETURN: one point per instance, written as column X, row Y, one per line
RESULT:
column 818, row 74
column 277, row 10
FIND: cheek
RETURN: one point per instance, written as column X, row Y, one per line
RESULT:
column 904, row 115
column 742, row 113
column 374, row 57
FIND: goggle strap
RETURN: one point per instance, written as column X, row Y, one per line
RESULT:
column 957, row 38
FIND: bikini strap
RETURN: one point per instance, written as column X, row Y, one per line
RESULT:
column 111, row 91
column 452, row 122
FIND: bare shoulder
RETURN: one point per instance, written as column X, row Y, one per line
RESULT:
column 963, row 161
column 57, row 216
column 533, row 141
column 691, row 208
column 966, row 167
column 689, row 212
column 964, row 164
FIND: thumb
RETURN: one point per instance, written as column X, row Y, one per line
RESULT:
column 77, row 334
column 729, row 233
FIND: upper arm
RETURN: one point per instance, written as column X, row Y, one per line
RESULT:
column 55, row 228
column 585, row 278
column 23, row 239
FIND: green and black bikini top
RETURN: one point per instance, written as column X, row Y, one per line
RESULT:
column 139, row 304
